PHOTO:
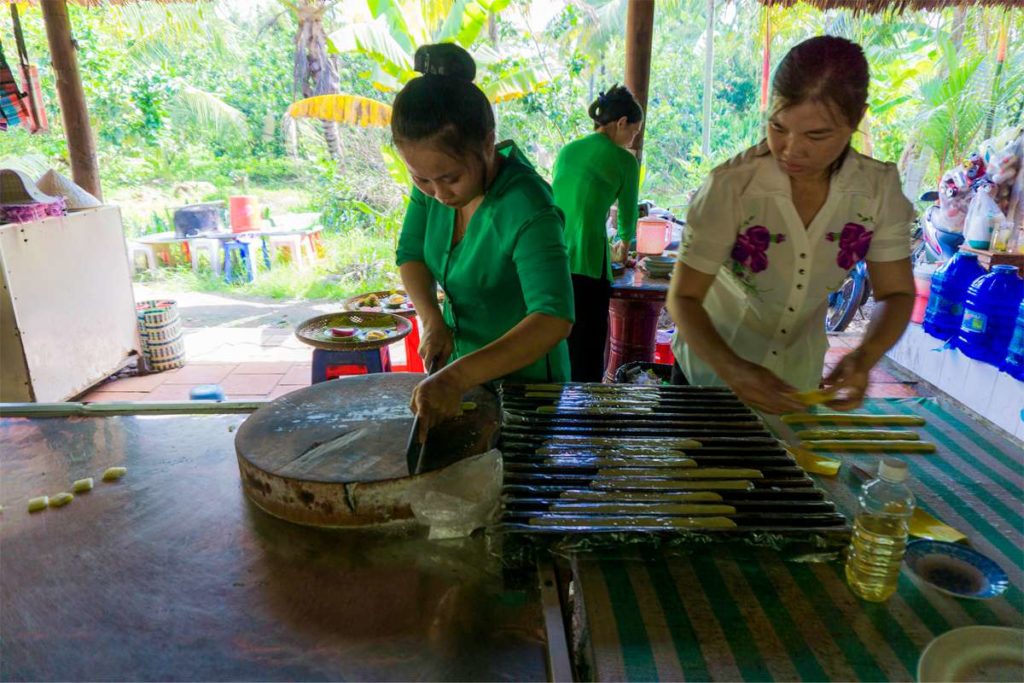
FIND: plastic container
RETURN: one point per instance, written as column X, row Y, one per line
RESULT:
column 922, row 291
column 652, row 235
column 880, row 533
column 244, row 213
column 990, row 313
column 1014, row 364
column 163, row 345
column 948, row 287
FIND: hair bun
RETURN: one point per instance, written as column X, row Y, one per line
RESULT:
column 445, row 59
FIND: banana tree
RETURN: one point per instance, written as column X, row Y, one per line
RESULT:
column 390, row 36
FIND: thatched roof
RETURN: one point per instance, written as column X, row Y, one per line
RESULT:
column 874, row 6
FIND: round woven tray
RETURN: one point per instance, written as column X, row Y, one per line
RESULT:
column 317, row 331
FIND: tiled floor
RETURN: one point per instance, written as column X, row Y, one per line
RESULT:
column 267, row 380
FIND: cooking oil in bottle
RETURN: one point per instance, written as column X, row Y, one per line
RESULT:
column 880, row 533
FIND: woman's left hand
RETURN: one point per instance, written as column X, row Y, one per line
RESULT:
column 436, row 399
column 620, row 251
column 850, row 380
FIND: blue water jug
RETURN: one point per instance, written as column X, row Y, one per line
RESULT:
column 949, row 286
column 1014, row 365
column 990, row 312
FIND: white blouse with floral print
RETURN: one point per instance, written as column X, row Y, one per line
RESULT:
column 774, row 276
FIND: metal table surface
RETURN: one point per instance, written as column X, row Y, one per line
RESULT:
column 172, row 574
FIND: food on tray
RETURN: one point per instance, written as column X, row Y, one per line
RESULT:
column 637, row 522
column 829, row 434
column 643, row 484
column 682, row 473
column 468, row 406
column 82, row 485
column 372, row 301
column 880, row 445
column 38, row 503
column 376, row 335
column 396, row 300
column 855, row 419
column 814, row 397
column 622, row 508
column 642, row 496
column 61, row 499
column 342, row 331
column 114, row 473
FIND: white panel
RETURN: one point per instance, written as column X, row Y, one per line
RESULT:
column 1007, row 402
column 72, row 297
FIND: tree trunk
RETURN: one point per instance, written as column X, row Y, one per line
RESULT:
column 333, row 140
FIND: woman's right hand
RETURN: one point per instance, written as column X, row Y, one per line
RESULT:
column 436, row 343
column 762, row 390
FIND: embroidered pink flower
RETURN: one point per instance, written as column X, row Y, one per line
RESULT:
column 751, row 247
column 854, row 241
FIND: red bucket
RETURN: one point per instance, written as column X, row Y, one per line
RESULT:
column 244, row 213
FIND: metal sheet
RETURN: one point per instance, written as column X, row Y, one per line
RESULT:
column 172, row 574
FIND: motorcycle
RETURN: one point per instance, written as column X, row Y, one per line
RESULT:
column 933, row 244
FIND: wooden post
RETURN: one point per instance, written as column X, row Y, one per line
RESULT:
column 75, row 114
column 639, row 32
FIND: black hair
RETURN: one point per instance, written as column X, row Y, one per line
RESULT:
column 612, row 105
column 443, row 103
column 826, row 69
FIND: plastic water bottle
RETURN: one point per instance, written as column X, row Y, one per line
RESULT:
column 1014, row 365
column 880, row 533
column 949, row 286
column 990, row 311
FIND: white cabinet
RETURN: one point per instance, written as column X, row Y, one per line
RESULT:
column 67, row 313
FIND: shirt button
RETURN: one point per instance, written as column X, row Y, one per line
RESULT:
column 783, row 332
column 802, row 271
column 792, row 310
column 803, row 255
column 775, row 353
column 799, row 286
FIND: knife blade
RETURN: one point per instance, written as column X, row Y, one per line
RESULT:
column 414, row 449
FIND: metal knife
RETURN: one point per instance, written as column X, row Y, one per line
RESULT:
column 415, row 450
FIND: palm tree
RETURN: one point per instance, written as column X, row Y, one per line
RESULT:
column 316, row 69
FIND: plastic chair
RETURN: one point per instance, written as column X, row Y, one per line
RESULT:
column 212, row 248
column 147, row 251
column 331, row 364
column 241, row 248
column 299, row 252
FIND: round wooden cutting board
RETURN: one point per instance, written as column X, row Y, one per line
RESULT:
column 333, row 454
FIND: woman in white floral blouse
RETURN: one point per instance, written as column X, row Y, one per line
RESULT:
column 776, row 229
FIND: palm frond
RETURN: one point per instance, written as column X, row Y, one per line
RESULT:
column 513, row 85
column 207, row 112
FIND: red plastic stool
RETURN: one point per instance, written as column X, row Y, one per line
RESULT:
column 413, row 362
column 332, row 364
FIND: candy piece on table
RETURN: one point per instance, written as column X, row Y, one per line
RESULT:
column 114, row 473
column 61, row 499
column 82, row 485
column 923, row 525
column 855, row 419
column 815, row 463
column 832, row 433
column 814, row 397
column 38, row 503
column 875, row 445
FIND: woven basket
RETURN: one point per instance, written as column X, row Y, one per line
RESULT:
column 163, row 346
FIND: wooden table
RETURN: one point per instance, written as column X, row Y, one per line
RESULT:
column 172, row 574
column 987, row 259
column 636, row 305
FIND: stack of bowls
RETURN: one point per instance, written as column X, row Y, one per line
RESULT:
column 659, row 266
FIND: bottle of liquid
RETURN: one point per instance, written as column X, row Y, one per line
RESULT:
column 990, row 312
column 949, row 285
column 880, row 533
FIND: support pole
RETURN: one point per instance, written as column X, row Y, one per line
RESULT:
column 74, row 112
column 709, row 73
column 639, row 32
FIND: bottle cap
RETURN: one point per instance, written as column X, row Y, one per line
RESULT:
column 893, row 471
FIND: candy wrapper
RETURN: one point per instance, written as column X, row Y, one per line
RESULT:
column 954, row 200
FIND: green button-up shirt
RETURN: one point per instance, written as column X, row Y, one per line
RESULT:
column 510, row 263
column 590, row 174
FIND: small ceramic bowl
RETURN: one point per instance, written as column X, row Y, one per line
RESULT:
column 956, row 569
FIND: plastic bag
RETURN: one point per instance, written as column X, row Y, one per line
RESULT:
column 461, row 498
column 954, row 200
column 984, row 219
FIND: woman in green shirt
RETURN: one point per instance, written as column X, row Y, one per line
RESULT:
column 482, row 224
column 590, row 175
